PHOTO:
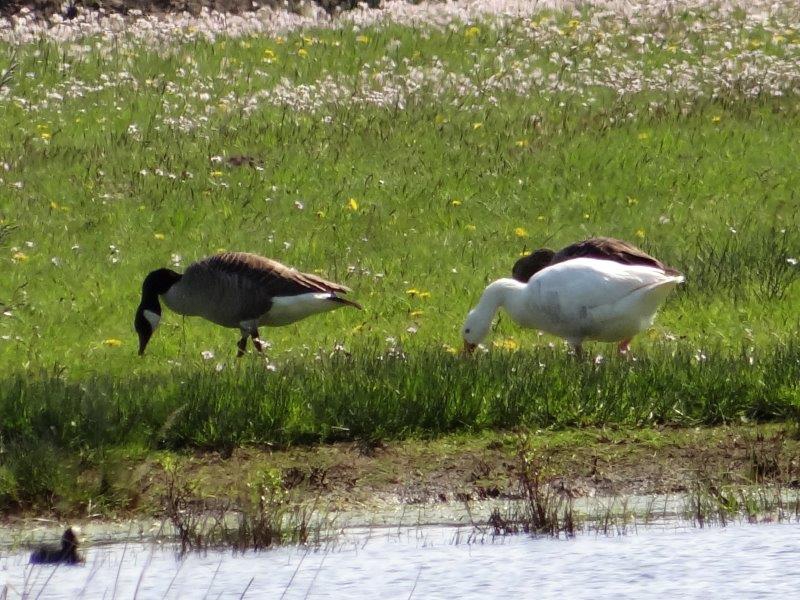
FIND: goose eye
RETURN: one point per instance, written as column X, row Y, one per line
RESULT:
column 466, row 330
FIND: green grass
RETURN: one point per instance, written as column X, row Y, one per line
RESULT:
column 441, row 186
column 378, row 396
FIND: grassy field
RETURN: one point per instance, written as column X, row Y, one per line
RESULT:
column 413, row 164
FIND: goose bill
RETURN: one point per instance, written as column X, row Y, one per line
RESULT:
column 143, row 339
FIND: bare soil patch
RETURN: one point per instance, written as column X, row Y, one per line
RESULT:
column 578, row 463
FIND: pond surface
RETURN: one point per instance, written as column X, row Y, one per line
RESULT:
column 743, row 561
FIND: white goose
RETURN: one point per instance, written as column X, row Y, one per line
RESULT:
column 579, row 299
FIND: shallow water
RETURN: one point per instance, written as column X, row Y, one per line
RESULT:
column 745, row 561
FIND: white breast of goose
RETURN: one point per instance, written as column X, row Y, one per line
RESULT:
column 288, row 309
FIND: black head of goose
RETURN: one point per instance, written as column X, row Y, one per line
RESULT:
column 237, row 290
column 602, row 248
column 66, row 553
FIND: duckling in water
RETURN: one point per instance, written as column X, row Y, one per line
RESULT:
column 67, row 553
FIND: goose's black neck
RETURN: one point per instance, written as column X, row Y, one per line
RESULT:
column 156, row 283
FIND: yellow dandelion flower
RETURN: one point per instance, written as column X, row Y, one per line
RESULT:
column 472, row 32
column 673, row 49
column 520, row 232
column 449, row 349
column 455, row 202
column 280, row 40
column 216, row 173
column 302, row 53
column 362, row 39
column 573, row 24
column 540, row 218
column 112, row 343
column 470, row 227
column 159, row 236
column 640, row 234
column 716, row 119
column 221, row 250
column 632, row 201
column 45, row 135
column 440, row 120
column 269, row 55
column 778, row 39
column 477, row 125
column 417, row 313
column 643, row 135
column 19, row 257
column 415, row 293
column 521, row 143
column 352, row 204
column 506, row 344
column 585, row 215
column 54, row 205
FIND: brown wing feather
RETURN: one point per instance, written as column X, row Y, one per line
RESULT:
column 603, row 248
column 271, row 276
column 527, row 266
column 608, row 249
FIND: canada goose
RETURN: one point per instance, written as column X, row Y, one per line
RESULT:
column 67, row 553
column 602, row 248
column 578, row 299
column 237, row 290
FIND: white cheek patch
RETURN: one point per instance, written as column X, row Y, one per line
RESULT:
column 152, row 318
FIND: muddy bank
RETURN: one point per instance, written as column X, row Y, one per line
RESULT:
column 587, row 463
column 584, row 463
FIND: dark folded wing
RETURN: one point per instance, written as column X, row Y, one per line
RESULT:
column 270, row 275
column 527, row 266
column 251, row 281
column 604, row 248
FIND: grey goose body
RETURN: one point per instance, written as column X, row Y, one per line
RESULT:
column 601, row 248
column 237, row 290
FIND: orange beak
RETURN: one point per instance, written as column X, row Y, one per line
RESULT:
column 469, row 348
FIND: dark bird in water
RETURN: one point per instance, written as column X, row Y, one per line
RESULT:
column 67, row 553
column 603, row 248
column 238, row 290
column 71, row 11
